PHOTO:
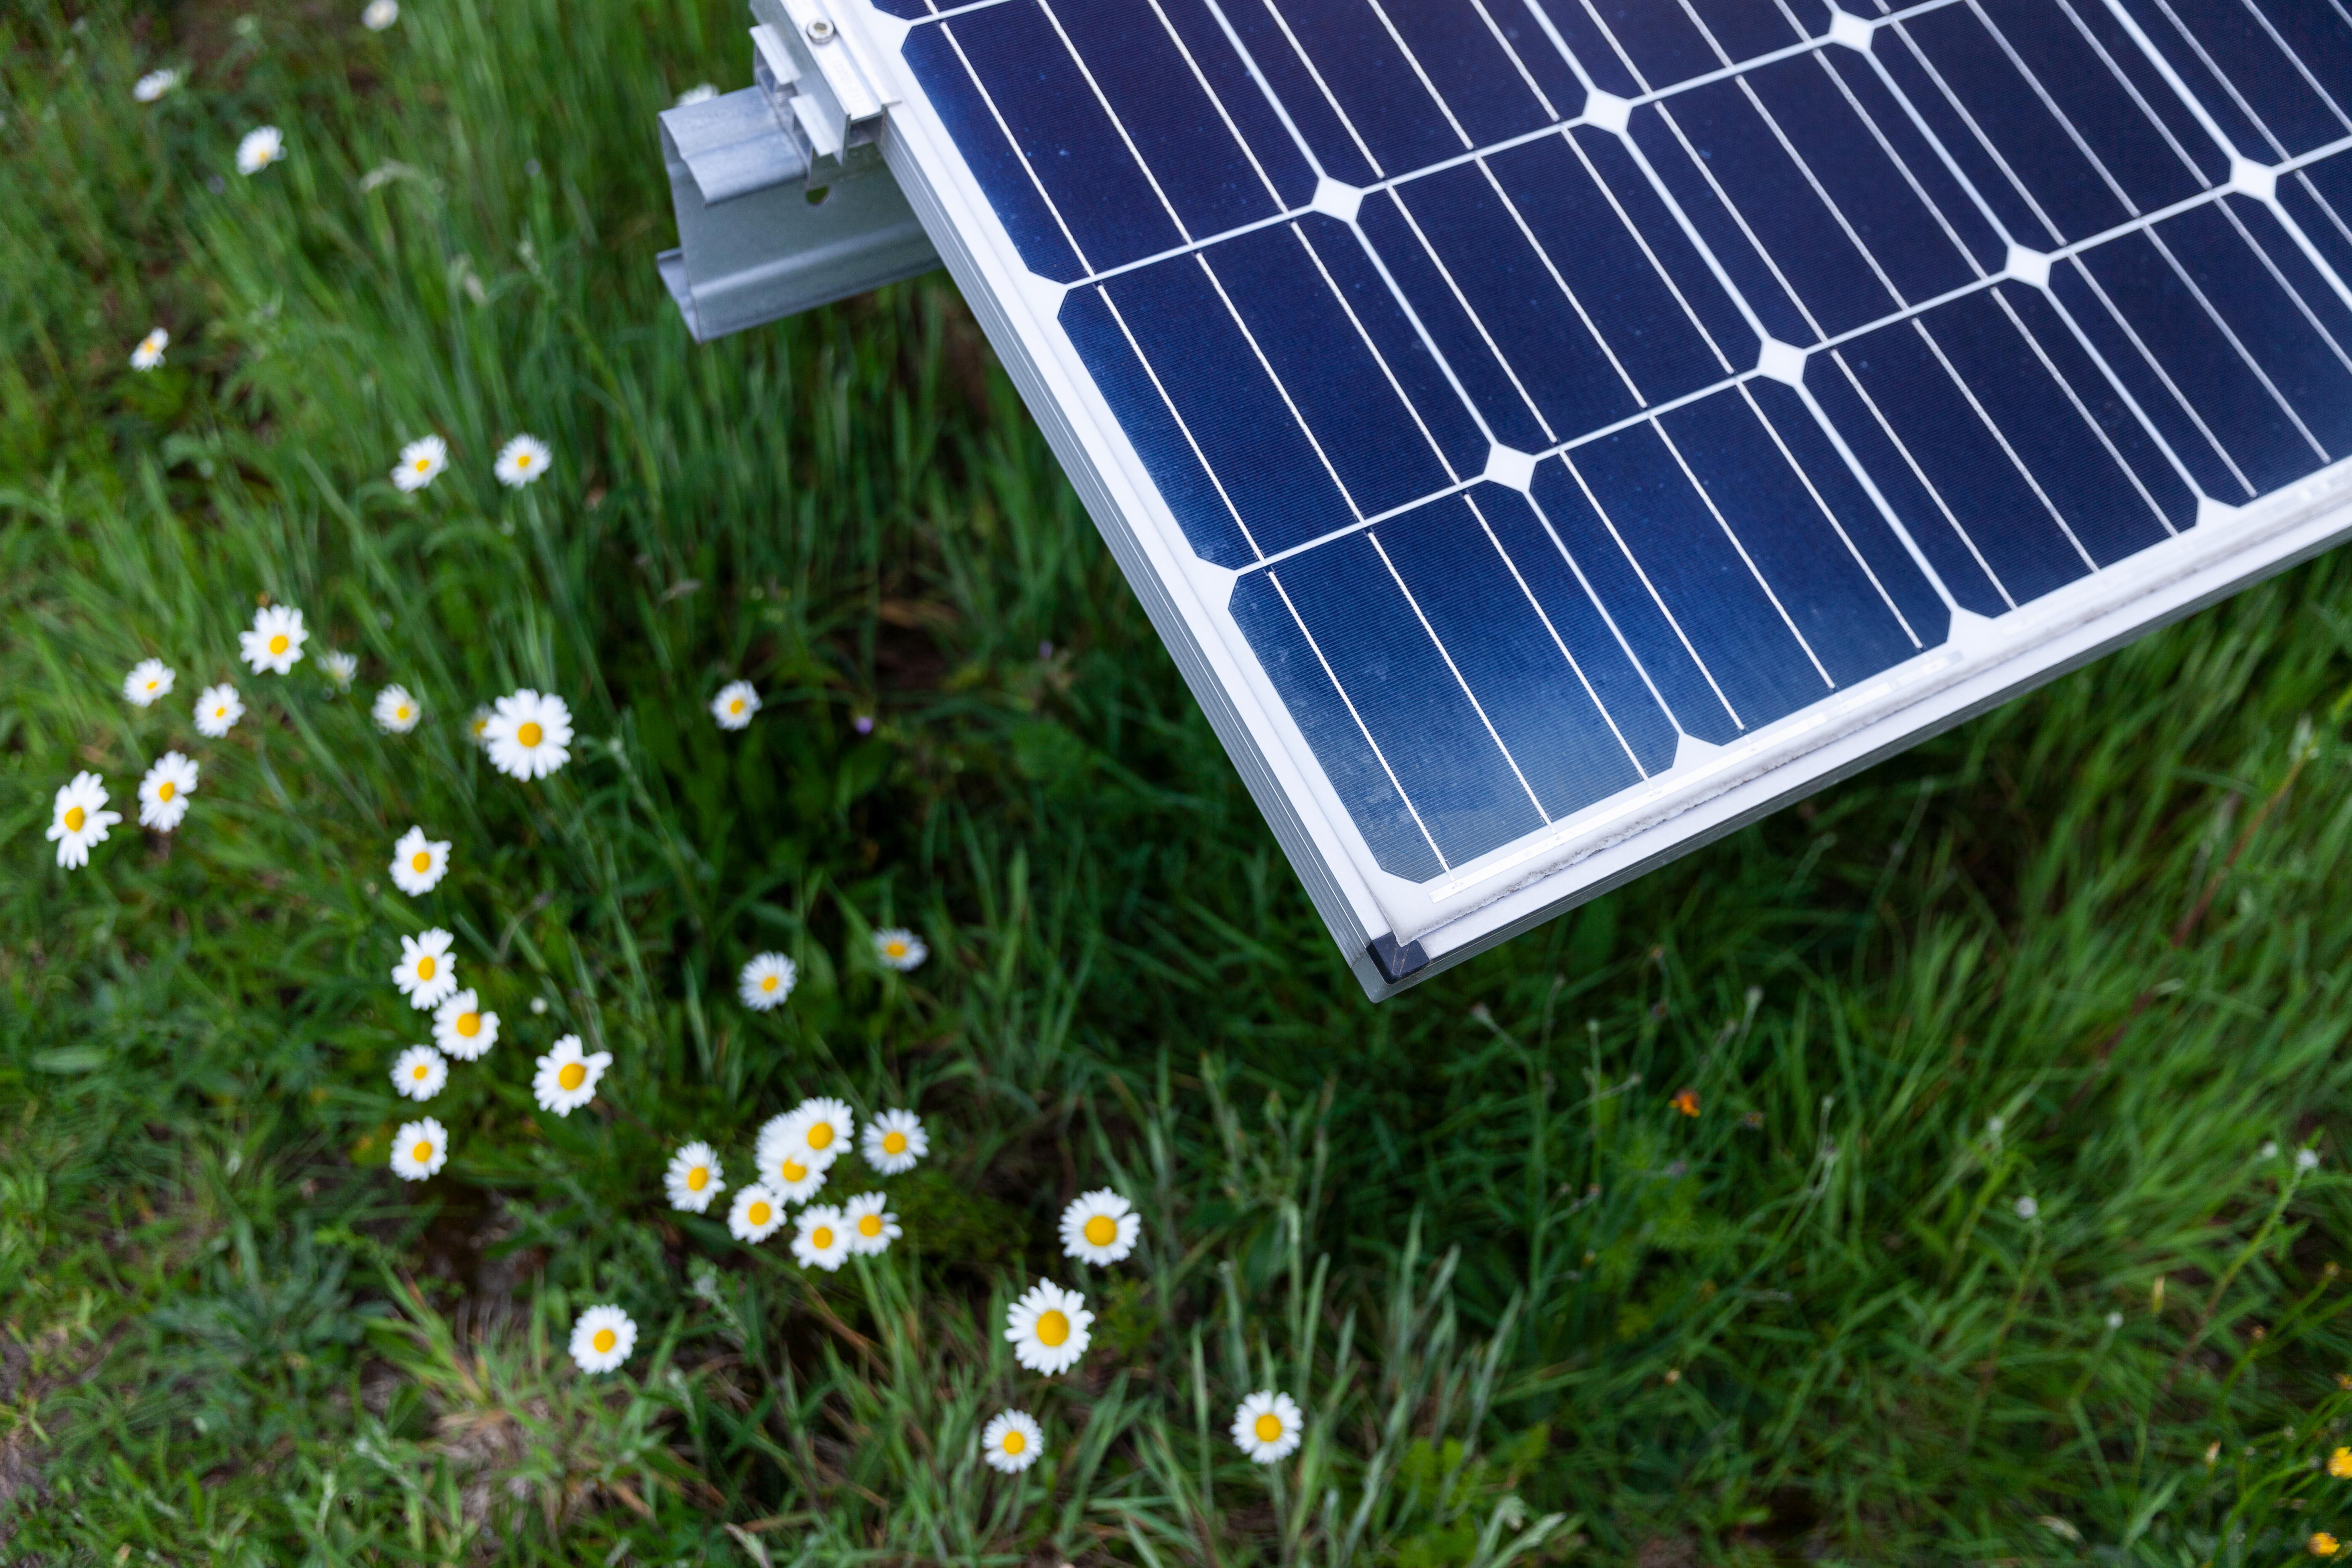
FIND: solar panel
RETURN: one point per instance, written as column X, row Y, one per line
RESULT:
column 1551, row 433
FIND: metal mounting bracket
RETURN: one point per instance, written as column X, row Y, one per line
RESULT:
column 783, row 203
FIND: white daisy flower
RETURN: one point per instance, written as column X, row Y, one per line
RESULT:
column 149, row 352
column 871, row 1225
column 755, row 1214
column 340, row 667
column 260, row 149
column 529, row 735
column 419, row 1150
column 379, row 15
column 566, row 1078
column 899, row 949
column 894, row 1141
column 164, row 792
column 154, row 85
column 785, row 1165
column 396, row 712
column 461, row 1028
column 694, row 1178
column 275, row 643
column 148, row 679
column 734, row 705
column 419, row 1072
column 217, row 710
column 819, row 1129
column 420, row 461
column 1047, row 1327
column 419, row 863
column 1011, row 1442
column 521, row 461
column 425, row 973
column 700, row 93
column 79, row 819
column 821, row 1240
column 603, row 1338
column 1267, row 1425
column 766, row 981
column 1100, row 1228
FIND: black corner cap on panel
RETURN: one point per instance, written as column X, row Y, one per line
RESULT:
column 1395, row 962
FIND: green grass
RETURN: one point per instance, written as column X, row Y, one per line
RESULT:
column 2090, row 950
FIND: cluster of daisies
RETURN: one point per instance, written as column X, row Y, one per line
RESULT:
column 527, row 735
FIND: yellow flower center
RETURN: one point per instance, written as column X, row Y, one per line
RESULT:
column 1051, row 1329
column 770, row 981
column 423, row 463
column 1268, row 1427
column 895, row 949
column 400, row 713
column 1016, row 1441
column 530, row 734
column 605, row 1341
column 698, row 1178
column 422, row 1071
column 736, row 706
column 469, row 1024
column 154, row 684
column 821, row 1135
column 221, row 711
column 792, row 1169
column 758, row 1214
column 522, row 459
column 420, row 862
column 571, row 1075
column 821, row 1237
column 424, row 967
column 894, row 1143
column 166, row 790
column 278, row 644
column 422, row 1151
column 1102, row 1230
column 869, row 1225
column 75, row 817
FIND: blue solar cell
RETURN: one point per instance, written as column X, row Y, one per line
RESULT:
column 1910, row 74
column 1481, row 83
column 1233, row 410
column 1635, row 305
column 910, row 9
column 995, row 163
column 1541, row 563
column 1596, row 59
column 1597, row 555
column 2319, row 197
column 2254, row 430
column 1531, row 692
column 1455, row 335
column 1919, row 252
column 1745, row 30
column 1379, row 95
column 1541, row 48
column 1354, row 770
column 2025, row 132
column 1203, row 171
column 1458, row 779
column 1538, row 327
column 1688, row 557
column 2319, row 39
column 1783, row 207
column 2243, row 44
column 1658, row 42
column 1681, row 171
column 1436, row 406
column 1074, row 152
column 2293, row 326
column 2117, row 134
column 1273, row 48
column 1828, row 596
column 1359, row 422
column 1154, row 431
column 1210, row 50
column 1663, row 241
